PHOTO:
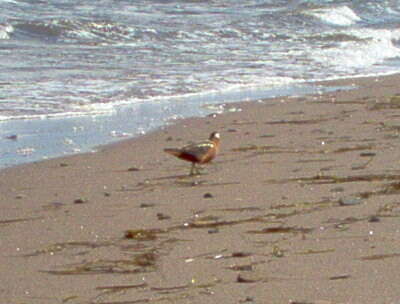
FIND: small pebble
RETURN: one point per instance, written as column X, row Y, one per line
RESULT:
column 162, row 216
column 277, row 252
column 240, row 254
column 367, row 154
column 213, row 230
column 133, row 169
column 208, row 195
column 146, row 205
column 80, row 201
column 247, row 299
column 374, row 219
column 107, row 194
column 340, row 277
column 241, row 279
column 349, row 201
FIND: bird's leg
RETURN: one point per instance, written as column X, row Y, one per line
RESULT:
column 198, row 170
column 192, row 169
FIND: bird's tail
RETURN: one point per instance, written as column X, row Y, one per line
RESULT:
column 175, row 152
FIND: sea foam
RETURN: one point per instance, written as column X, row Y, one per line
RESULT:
column 340, row 16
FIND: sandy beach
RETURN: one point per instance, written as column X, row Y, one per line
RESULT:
column 300, row 206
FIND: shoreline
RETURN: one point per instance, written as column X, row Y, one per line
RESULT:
column 300, row 205
column 58, row 137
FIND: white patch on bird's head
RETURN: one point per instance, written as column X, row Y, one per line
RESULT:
column 215, row 135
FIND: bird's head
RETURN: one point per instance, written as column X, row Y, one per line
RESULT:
column 215, row 136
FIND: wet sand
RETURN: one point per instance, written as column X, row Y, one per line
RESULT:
column 301, row 206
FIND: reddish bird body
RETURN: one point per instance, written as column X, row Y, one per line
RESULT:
column 198, row 153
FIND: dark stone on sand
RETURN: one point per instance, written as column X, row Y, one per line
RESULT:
column 208, row 195
column 162, row 216
column 107, row 194
column 247, row 300
column 367, row 154
column 146, row 205
column 241, row 279
column 80, row 201
column 240, row 254
column 339, row 277
column 374, row 219
column 133, row 169
column 63, row 165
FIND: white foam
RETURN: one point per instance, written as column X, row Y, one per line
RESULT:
column 340, row 16
column 373, row 46
column 93, row 112
column 25, row 151
column 5, row 30
column 115, row 133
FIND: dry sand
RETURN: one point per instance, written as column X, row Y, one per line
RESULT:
column 301, row 206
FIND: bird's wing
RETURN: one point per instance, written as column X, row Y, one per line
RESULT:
column 198, row 150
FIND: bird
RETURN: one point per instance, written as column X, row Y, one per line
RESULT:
column 198, row 153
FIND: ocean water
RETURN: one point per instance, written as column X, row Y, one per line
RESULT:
column 76, row 74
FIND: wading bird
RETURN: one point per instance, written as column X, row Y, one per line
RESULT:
column 198, row 153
